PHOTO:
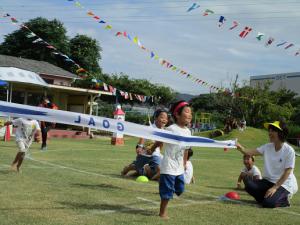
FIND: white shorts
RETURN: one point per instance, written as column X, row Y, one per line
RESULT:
column 22, row 147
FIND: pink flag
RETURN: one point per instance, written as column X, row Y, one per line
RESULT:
column 245, row 32
column 235, row 24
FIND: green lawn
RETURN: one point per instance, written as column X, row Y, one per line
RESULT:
column 78, row 182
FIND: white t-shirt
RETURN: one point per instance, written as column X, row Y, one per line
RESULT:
column 276, row 162
column 188, row 173
column 172, row 162
column 254, row 171
column 25, row 130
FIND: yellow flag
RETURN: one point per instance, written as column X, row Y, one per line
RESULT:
column 135, row 39
column 108, row 27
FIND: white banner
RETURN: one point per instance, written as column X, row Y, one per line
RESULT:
column 112, row 125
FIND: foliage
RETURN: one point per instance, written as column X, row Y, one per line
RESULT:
column 82, row 49
column 164, row 95
column 254, row 104
column 86, row 51
column 52, row 31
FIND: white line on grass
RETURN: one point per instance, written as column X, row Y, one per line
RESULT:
column 148, row 200
column 196, row 193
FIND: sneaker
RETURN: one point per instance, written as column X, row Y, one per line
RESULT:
column 44, row 149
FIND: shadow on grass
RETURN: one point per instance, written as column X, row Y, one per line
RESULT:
column 97, row 186
column 35, row 209
column 224, row 188
column 5, row 171
column 110, row 208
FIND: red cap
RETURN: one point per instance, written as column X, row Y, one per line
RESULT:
column 232, row 195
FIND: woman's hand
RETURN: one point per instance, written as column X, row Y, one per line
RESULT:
column 271, row 192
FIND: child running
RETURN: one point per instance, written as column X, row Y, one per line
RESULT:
column 25, row 133
column 250, row 170
column 175, row 157
column 148, row 152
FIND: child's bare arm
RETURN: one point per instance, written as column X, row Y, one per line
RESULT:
column 238, row 184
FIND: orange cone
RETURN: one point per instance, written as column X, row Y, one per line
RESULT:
column 7, row 133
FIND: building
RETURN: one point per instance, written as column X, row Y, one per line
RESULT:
column 290, row 81
column 29, row 80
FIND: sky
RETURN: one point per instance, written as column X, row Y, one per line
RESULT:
column 189, row 40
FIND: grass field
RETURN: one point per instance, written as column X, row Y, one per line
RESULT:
column 78, row 182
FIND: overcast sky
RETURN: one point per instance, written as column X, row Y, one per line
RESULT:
column 188, row 40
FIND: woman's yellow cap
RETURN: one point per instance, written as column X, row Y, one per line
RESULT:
column 274, row 124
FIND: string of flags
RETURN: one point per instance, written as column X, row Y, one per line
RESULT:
column 247, row 29
column 153, row 55
column 97, row 84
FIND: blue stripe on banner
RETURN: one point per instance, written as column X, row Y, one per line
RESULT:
column 180, row 138
column 10, row 109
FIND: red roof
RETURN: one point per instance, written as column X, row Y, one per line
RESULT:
column 119, row 112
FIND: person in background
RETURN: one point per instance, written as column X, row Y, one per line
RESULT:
column 46, row 126
column 279, row 182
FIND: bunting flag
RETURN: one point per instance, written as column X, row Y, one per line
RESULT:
column 269, row 41
column 30, row 35
column 245, row 32
column 37, row 40
column 260, row 36
column 297, row 53
column 6, row 15
column 194, row 6
column 235, row 24
column 108, row 124
column 281, row 43
column 163, row 62
column 14, row 20
column 208, row 12
column 289, row 46
column 221, row 20
column 105, row 87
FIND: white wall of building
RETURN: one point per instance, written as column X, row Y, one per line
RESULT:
column 290, row 81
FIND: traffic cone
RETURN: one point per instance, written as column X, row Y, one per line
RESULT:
column 7, row 133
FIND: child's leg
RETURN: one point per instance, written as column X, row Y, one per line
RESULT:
column 163, row 209
column 128, row 168
column 147, row 171
column 19, row 156
column 179, row 185
column 17, row 161
column 22, row 155
column 166, row 191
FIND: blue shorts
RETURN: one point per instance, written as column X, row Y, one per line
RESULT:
column 140, row 162
column 169, row 184
column 154, row 163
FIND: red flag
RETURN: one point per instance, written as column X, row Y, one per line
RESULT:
column 96, row 17
column 245, row 32
column 290, row 45
column 118, row 33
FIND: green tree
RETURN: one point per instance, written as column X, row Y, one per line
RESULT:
column 86, row 51
column 53, row 31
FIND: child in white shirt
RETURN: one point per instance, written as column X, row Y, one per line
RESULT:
column 249, row 170
column 25, row 133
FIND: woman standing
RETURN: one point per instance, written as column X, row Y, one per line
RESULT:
column 279, row 181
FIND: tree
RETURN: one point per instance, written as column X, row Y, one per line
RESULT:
column 18, row 44
column 82, row 49
column 86, row 51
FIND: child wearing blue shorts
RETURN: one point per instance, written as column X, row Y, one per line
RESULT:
column 175, row 157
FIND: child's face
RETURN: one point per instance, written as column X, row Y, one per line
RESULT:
column 185, row 117
column 248, row 162
column 161, row 120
